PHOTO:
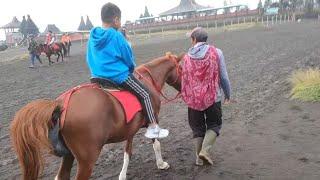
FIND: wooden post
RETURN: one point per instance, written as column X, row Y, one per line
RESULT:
column 81, row 42
column 162, row 32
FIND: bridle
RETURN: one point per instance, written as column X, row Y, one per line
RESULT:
column 153, row 83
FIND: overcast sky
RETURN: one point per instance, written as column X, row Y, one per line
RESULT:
column 66, row 13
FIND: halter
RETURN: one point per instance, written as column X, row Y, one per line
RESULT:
column 152, row 82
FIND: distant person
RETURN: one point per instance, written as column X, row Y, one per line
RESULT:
column 66, row 40
column 49, row 38
column 204, row 76
column 53, row 39
column 110, row 58
column 123, row 30
column 33, row 51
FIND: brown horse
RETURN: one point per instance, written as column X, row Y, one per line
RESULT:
column 56, row 48
column 94, row 119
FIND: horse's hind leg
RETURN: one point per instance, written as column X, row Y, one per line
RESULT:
column 86, row 161
column 157, row 150
column 126, row 158
column 50, row 62
column 65, row 168
column 58, row 57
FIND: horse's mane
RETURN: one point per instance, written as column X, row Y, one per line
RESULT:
column 156, row 61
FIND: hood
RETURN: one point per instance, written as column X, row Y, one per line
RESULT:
column 199, row 50
column 100, row 37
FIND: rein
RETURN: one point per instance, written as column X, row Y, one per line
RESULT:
column 153, row 83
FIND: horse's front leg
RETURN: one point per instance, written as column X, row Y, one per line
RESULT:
column 157, row 150
column 49, row 58
column 126, row 159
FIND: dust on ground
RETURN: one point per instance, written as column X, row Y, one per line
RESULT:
column 264, row 136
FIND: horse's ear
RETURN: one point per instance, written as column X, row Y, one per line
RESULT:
column 180, row 57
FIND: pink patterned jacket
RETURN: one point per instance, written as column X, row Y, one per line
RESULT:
column 200, row 80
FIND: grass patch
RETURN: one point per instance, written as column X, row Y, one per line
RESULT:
column 24, row 56
column 306, row 85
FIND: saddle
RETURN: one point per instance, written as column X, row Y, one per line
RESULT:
column 55, row 47
column 106, row 84
column 130, row 105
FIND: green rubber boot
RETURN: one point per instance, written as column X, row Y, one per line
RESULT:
column 208, row 141
column 198, row 144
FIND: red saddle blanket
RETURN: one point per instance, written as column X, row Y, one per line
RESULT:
column 130, row 103
column 55, row 47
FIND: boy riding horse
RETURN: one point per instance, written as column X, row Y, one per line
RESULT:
column 110, row 58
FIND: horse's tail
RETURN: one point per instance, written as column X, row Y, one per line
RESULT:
column 29, row 134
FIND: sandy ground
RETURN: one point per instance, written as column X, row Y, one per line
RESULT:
column 265, row 135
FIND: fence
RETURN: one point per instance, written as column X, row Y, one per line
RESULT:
column 215, row 22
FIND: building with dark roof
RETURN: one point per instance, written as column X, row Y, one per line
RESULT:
column 31, row 27
column 12, row 32
column 13, row 26
column 82, row 25
column 185, row 8
column 53, row 28
column 88, row 25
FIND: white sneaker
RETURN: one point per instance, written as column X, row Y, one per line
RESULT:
column 156, row 132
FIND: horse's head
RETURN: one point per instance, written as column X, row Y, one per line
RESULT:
column 162, row 70
column 41, row 47
column 45, row 48
column 174, row 76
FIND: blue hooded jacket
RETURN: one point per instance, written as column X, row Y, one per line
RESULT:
column 109, row 56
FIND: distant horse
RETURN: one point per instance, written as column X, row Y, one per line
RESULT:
column 94, row 118
column 56, row 48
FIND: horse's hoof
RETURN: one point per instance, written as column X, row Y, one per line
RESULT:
column 163, row 166
column 122, row 177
